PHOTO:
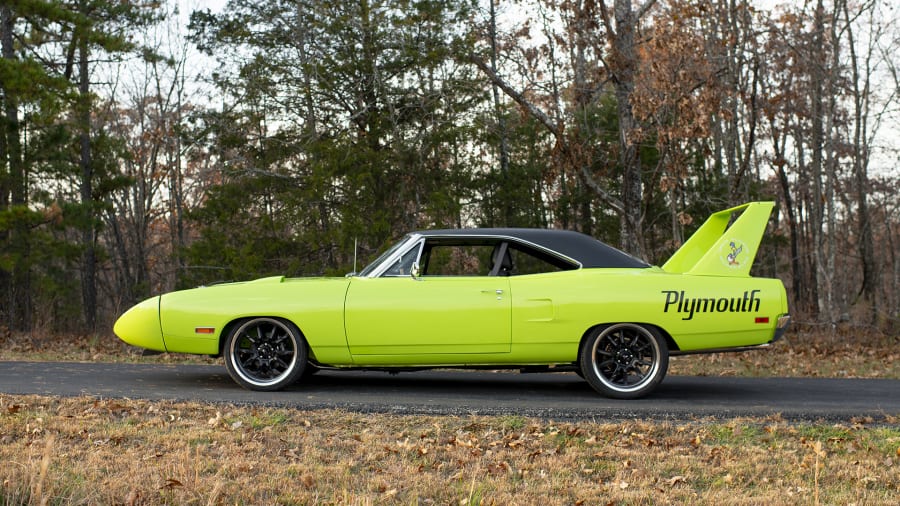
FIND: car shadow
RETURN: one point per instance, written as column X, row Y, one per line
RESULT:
column 483, row 387
column 477, row 383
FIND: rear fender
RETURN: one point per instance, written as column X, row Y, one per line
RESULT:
column 673, row 346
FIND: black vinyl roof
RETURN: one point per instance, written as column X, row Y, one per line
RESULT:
column 584, row 249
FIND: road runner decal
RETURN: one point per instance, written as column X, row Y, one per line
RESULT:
column 748, row 303
column 734, row 250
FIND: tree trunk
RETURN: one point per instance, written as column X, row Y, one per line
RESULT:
column 817, row 203
column 88, row 231
column 861, row 95
column 19, row 286
column 837, row 292
column 506, row 211
column 623, row 64
column 6, row 288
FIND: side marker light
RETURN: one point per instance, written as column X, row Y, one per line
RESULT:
column 204, row 330
column 762, row 319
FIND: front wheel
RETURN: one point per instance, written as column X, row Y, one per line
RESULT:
column 265, row 354
column 625, row 360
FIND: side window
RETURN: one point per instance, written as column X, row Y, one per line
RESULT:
column 531, row 261
column 403, row 265
column 447, row 259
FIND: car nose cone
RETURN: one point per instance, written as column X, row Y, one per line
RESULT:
column 140, row 326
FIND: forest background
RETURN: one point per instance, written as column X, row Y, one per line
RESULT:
column 148, row 146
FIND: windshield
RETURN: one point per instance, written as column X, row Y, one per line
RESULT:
column 371, row 267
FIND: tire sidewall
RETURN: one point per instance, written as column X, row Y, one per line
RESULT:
column 287, row 378
column 589, row 371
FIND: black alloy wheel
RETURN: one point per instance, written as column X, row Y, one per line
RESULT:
column 625, row 360
column 265, row 354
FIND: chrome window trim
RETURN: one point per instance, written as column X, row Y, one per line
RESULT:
column 411, row 241
column 511, row 239
column 578, row 265
column 418, row 239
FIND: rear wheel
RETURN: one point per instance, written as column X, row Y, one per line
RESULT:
column 265, row 354
column 625, row 360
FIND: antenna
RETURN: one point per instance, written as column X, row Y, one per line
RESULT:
column 355, row 249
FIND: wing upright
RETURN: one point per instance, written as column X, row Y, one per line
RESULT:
column 720, row 249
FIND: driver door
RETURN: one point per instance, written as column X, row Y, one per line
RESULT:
column 454, row 306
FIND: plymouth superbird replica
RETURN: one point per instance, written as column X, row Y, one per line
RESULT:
column 528, row 299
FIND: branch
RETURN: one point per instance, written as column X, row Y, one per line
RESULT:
column 556, row 129
column 604, row 15
column 520, row 99
column 617, row 205
column 644, row 8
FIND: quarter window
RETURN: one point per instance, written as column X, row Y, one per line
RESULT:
column 526, row 260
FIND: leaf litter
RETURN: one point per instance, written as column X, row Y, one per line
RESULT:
column 86, row 450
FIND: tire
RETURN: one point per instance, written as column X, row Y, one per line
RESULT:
column 265, row 354
column 624, row 360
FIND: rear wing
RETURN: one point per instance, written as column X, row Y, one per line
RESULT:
column 717, row 249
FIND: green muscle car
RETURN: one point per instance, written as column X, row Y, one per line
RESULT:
column 528, row 299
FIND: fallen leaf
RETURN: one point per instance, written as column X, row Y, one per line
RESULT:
column 133, row 497
column 675, row 480
column 818, row 449
column 172, row 483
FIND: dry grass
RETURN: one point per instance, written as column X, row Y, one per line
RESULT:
column 87, row 451
column 81, row 348
column 804, row 354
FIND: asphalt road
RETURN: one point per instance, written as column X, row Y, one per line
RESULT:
column 559, row 396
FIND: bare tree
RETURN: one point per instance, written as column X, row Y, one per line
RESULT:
column 622, row 66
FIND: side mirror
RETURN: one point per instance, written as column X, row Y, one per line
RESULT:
column 414, row 271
